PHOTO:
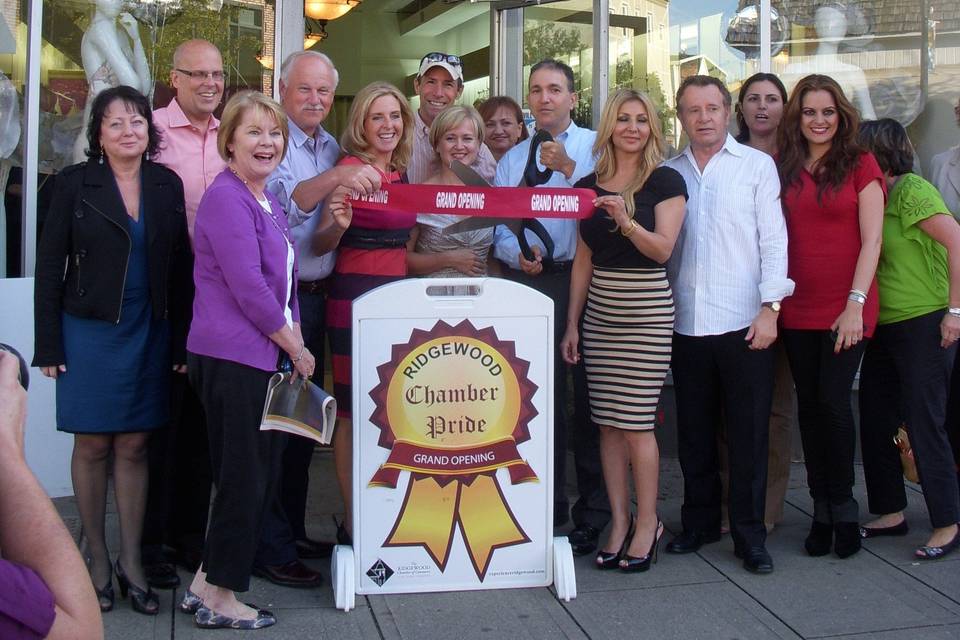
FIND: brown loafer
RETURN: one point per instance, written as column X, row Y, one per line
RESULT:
column 292, row 574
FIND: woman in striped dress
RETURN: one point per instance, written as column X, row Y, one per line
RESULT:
column 371, row 247
column 627, row 325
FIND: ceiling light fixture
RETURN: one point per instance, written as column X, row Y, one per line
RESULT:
column 328, row 9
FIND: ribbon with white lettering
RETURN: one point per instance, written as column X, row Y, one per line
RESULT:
column 494, row 202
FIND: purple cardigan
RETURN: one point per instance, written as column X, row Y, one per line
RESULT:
column 240, row 276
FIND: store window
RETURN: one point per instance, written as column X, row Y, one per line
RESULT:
column 13, row 44
column 89, row 45
column 564, row 31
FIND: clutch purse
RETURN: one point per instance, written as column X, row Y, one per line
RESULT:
column 902, row 440
column 301, row 408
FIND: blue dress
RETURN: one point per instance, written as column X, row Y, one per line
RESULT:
column 118, row 375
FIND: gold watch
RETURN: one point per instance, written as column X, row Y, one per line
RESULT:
column 773, row 306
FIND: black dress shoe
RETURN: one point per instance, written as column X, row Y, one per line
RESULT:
column 161, row 575
column 292, row 574
column 583, row 539
column 934, row 553
column 900, row 529
column 819, row 539
column 691, row 541
column 308, row 549
column 846, row 539
column 757, row 560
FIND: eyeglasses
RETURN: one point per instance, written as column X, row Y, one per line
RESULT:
column 442, row 57
column 200, row 76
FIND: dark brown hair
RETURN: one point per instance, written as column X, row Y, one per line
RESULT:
column 887, row 140
column 841, row 159
column 704, row 81
column 489, row 107
column 743, row 131
column 130, row 98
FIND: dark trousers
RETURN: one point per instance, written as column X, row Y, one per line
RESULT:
column 285, row 521
column 720, row 378
column 905, row 378
column 245, row 462
column 592, row 506
column 824, row 381
column 178, row 499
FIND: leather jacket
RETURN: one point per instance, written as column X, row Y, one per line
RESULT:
column 85, row 247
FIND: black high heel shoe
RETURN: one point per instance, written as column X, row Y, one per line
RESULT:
column 145, row 602
column 611, row 560
column 105, row 596
column 630, row 564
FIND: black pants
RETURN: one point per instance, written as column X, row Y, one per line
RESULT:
column 246, row 465
column 178, row 499
column 824, row 381
column 592, row 506
column 285, row 522
column 720, row 378
column 905, row 378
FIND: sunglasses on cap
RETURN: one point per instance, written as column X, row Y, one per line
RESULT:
column 436, row 56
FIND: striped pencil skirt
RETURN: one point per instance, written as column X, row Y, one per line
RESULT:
column 626, row 342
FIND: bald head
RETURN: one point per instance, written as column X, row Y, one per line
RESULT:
column 197, row 77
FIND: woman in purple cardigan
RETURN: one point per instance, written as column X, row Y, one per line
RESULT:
column 245, row 317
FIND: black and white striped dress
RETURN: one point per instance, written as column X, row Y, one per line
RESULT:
column 627, row 324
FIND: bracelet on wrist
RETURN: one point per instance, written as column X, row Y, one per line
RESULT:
column 857, row 296
column 299, row 355
column 632, row 227
column 954, row 311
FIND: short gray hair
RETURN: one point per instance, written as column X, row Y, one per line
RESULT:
column 297, row 55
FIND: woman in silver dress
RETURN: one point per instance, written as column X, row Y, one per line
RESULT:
column 456, row 134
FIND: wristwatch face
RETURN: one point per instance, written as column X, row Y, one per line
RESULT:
column 774, row 306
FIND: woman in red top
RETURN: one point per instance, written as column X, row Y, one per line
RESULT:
column 372, row 247
column 833, row 199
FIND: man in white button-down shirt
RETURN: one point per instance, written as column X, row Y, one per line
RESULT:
column 729, row 274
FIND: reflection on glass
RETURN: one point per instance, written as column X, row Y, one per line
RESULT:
column 563, row 31
column 639, row 54
column 12, row 76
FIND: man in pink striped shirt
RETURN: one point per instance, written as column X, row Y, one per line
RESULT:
column 187, row 124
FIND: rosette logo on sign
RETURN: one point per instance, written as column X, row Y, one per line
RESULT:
column 452, row 404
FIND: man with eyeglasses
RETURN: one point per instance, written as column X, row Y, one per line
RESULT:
column 552, row 98
column 180, row 476
column 439, row 83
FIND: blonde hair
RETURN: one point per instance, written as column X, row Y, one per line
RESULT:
column 237, row 107
column 451, row 118
column 652, row 152
column 352, row 140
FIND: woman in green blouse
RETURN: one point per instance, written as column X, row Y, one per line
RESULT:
column 906, row 369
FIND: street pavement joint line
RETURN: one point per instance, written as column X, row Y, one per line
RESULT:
column 891, row 563
column 750, row 595
column 570, row 614
column 861, row 634
column 387, row 613
column 173, row 613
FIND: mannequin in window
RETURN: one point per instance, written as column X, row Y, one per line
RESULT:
column 830, row 22
column 112, row 55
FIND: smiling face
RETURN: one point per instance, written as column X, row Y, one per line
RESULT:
column 502, row 131
column 819, row 118
column 632, row 130
column 257, row 146
column 307, row 94
column 383, row 127
column 437, row 90
column 459, row 143
column 551, row 100
column 198, row 96
column 124, row 133
column 762, row 108
column 704, row 116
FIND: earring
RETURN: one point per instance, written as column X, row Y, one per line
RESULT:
column 100, row 159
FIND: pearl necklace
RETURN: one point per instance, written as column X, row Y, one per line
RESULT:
column 261, row 197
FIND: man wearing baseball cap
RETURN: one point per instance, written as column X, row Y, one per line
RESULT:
column 439, row 83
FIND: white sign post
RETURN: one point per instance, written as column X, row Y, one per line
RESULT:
column 452, row 442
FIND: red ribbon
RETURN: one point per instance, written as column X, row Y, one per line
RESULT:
column 495, row 202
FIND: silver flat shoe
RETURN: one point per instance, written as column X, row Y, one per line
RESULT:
column 206, row 618
column 190, row 603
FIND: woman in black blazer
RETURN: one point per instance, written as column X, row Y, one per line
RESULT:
column 112, row 302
